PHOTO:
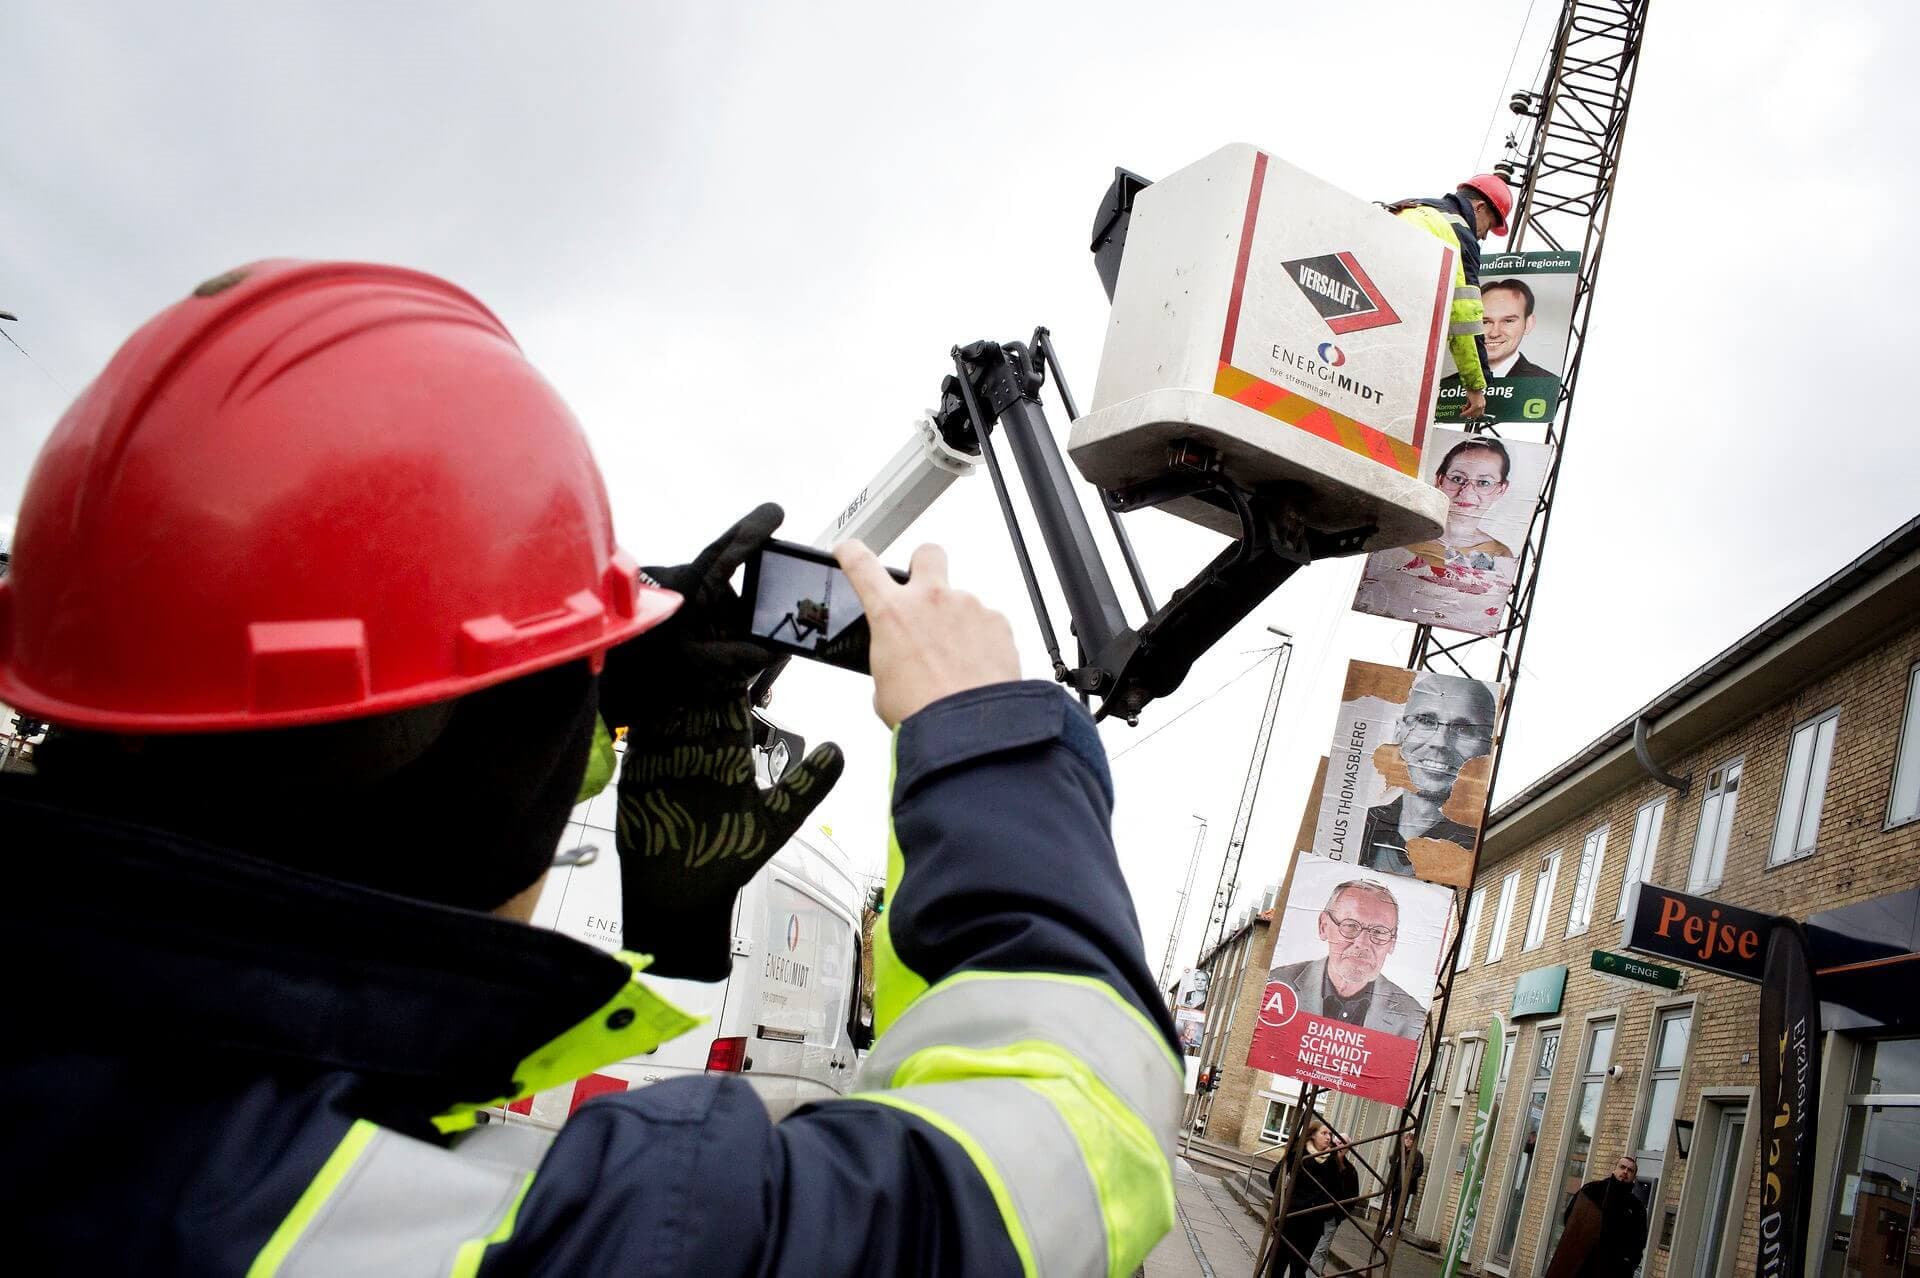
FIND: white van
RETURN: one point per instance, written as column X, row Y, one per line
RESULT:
column 789, row 1019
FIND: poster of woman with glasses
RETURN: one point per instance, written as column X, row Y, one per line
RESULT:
column 1353, row 975
column 1462, row 579
column 1407, row 777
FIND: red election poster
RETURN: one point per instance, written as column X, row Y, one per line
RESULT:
column 1353, row 976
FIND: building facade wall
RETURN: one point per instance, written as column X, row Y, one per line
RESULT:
column 1856, row 858
column 1233, row 1113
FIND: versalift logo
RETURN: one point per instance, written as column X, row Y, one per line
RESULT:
column 1341, row 292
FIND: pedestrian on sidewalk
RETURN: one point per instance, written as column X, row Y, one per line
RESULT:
column 1415, row 1166
column 1322, row 1178
column 1605, row 1226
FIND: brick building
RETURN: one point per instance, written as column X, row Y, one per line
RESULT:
column 1800, row 747
column 1251, row 1109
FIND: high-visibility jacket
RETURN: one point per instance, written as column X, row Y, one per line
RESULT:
column 1449, row 219
column 222, row 1066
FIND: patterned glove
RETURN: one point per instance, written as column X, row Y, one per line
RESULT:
column 694, row 823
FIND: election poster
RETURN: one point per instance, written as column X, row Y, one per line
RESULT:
column 1463, row 578
column 1528, row 300
column 1192, row 1025
column 1407, row 779
column 1354, row 966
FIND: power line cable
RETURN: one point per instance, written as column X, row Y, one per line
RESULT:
column 1506, row 81
column 1196, row 705
column 36, row 363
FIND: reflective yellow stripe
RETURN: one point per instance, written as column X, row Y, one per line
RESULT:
column 982, row 1161
column 466, row 1261
column 1132, row 1178
column 980, row 1046
column 312, row 1199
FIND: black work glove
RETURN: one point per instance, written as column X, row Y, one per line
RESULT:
column 694, row 824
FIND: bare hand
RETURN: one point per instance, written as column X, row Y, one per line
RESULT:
column 1476, row 406
column 929, row 640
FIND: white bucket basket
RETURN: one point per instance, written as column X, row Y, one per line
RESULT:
column 1294, row 330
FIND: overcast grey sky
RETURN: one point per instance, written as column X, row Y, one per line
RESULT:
column 741, row 239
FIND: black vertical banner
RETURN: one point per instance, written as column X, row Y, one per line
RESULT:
column 1789, row 1100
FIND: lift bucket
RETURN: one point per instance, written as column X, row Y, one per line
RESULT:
column 1292, row 331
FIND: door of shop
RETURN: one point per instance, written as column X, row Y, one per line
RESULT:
column 1874, row 1228
column 1721, row 1218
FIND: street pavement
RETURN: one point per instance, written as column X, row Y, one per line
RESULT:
column 1350, row 1249
column 1212, row 1237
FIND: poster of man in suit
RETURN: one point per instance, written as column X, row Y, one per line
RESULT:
column 1353, row 974
column 1407, row 778
column 1528, row 301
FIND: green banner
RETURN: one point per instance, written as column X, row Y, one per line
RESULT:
column 1484, row 1115
column 1537, row 993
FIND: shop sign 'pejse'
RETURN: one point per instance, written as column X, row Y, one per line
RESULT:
column 1699, row 932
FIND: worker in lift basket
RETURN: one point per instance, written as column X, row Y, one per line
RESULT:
column 317, row 582
column 1460, row 221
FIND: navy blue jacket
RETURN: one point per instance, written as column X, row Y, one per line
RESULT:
column 199, row 1034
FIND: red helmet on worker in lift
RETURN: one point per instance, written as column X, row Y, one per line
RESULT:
column 1498, row 194
column 311, row 491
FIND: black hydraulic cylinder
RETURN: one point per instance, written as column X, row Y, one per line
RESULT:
column 1091, row 598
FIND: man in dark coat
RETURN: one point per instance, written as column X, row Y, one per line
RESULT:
column 1417, row 1162
column 1622, row 1235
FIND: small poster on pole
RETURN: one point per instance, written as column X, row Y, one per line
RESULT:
column 1406, row 785
column 1528, row 300
column 1463, row 578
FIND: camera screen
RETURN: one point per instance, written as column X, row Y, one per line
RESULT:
column 802, row 604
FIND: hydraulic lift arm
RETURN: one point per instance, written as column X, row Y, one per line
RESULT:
column 1169, row 436
column 995, row 388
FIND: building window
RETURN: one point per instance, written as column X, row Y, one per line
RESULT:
column 1503, row 917
column 1526, row 1153
column 1904, row 804
column 1805, row 791
column 1716, row 826
column 1587, row 884
column 1646, row 845
column 1586, row 1120
column 1470, row 930
column 1277, row 1123
column 1440, row 1069
column 1663, row 1079
column 1506, row 1056
column 1542, row 901
column 1671, row 1031
column 1472, row 1052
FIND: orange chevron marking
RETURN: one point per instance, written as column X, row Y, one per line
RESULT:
column 1355, row 436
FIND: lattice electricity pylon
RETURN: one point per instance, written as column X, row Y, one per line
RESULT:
column 1578, row 120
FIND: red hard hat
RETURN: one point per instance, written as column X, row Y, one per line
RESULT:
column 311, row 491
column 1498, row 194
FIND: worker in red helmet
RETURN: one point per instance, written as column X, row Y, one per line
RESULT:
column 1478, row 206
column 317, row 584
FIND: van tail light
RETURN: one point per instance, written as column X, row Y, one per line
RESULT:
column 727, row 1056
